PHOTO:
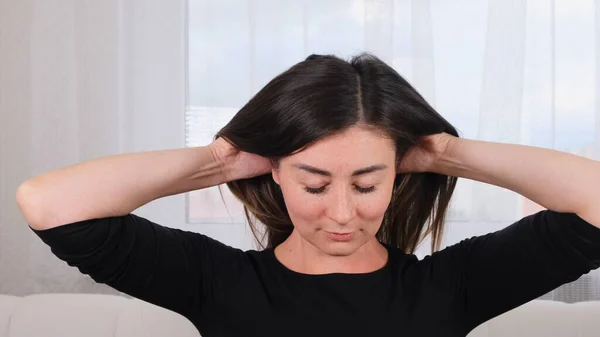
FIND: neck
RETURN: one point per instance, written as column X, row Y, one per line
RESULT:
column 299, row 255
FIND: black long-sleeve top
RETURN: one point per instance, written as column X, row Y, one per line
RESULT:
column 225, row 291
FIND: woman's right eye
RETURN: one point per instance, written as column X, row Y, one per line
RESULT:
column 317, row 190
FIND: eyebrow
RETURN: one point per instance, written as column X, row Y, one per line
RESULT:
column 312, row 169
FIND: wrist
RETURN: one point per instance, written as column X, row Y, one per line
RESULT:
column 223, row 155
column 447, row 161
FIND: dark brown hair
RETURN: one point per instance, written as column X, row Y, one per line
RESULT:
column 324, row 95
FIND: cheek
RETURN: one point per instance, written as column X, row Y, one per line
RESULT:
column 373, row 208
column 371, row 211
column 304, row 208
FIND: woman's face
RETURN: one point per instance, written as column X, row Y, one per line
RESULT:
column 337, row 190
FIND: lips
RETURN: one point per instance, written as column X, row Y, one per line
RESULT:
column 340, row 237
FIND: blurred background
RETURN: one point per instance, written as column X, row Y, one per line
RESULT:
column 85, row 79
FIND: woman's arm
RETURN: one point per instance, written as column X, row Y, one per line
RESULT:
column 490, row 274
column 115, row 185
column 82, row 213
column 556, row 180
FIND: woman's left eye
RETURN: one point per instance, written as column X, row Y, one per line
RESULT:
column 317, row 190
column 365, row 189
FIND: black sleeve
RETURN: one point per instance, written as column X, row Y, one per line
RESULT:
column 168, row 267
column 497, row 272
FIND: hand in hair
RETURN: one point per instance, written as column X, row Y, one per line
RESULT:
column 422, row 157
column 236, row 164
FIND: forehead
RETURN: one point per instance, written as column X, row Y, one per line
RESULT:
column 352, row 149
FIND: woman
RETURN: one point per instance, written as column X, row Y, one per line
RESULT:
column 344, row 163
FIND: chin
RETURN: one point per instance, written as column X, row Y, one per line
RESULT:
column 339, row 248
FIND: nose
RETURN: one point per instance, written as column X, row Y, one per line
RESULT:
column 341, row 207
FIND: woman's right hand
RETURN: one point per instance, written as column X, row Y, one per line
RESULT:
column 236, row 164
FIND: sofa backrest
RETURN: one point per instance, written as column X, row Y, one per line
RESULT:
column 93, row 315
column 542, row 318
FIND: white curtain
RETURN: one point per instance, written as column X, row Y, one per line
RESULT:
column 525, row 72
column 80, row 80
column 84, row 79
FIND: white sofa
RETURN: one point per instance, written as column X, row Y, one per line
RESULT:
column 88, row 315
column 545, row 319
column 77, row 315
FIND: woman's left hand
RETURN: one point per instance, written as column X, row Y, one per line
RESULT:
column 424, row 155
